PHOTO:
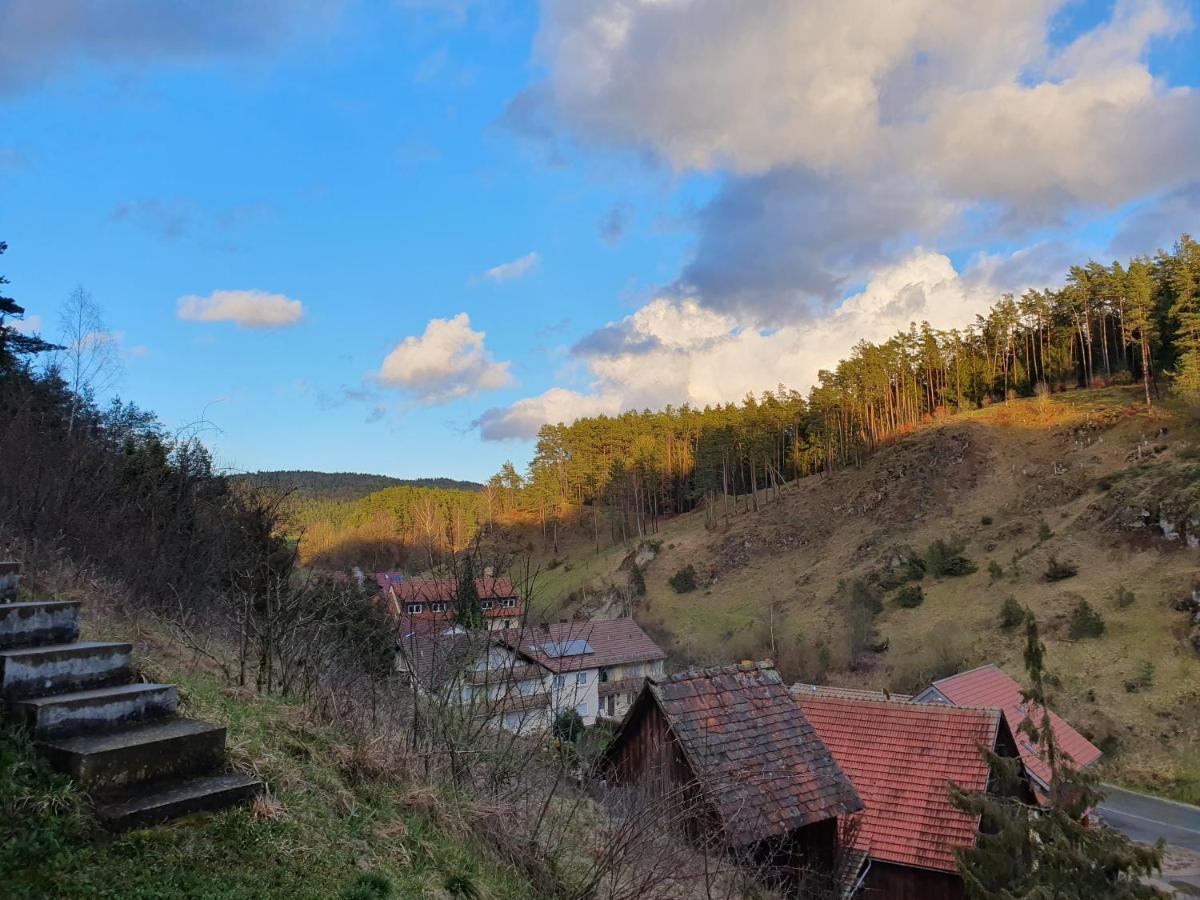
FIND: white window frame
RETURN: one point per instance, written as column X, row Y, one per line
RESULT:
column 414, row 609
column 560, row 681
column 485, row 604
column 581, row 678
column 510, row 603
column 438, row 606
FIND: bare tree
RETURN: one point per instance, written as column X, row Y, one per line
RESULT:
column 89, row 362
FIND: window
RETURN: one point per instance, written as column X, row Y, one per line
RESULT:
column 581, row 678
column 510, row 603
column 413, row 608
column 486, row 604
column 437, row 607
column 560, row 681
column 603, row 676
column 612, row 705
column 582, row 709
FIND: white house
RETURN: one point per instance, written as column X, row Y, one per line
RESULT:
column 524, row 678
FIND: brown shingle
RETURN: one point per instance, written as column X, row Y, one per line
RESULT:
column 765, row 770
column 612, row 643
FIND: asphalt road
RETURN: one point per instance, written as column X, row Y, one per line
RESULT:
column 1146, row 819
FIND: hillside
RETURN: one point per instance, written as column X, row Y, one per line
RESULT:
column 1089, row 477
column 343, row 486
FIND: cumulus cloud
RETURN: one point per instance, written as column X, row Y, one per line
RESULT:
column 853, row 131
column 510, row 271
column 1157, row 223
column 446, row 362
column 248, row 309
column 39, row 39
column 675, row 351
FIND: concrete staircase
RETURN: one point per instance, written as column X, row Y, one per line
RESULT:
column 121, row 740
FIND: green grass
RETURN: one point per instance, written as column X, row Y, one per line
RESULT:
column 334, row 834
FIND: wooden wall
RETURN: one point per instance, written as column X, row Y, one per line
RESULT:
column 886, row 881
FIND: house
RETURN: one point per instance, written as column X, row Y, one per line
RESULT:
column 524, row 678
column 749, row 769
column 989, row 686
column 902, row 758
column 605, row 662
column 436, row 598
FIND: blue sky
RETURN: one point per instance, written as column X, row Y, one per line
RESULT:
column 372, row 161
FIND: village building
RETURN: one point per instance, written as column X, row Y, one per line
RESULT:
column 750, row 770
column 989, row 686
column 436, row 599
column 903, row 757
column 523, row 679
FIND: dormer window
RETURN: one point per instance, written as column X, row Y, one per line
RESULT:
column 486, row 604
column 414, row 609
column 437, row 607
column 509, row 603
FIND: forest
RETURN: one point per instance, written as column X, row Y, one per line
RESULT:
column 1132, row 323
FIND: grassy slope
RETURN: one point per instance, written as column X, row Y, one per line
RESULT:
column 942, row 482
column 333, row 828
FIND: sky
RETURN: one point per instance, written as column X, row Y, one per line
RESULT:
column 397, row 236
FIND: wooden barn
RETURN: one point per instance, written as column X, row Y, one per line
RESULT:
column 903, row 758
column 756, row 778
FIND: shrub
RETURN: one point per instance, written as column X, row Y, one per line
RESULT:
column 568, row 726
column 637, row 581
column 986, row 520
column 945, row 560
column 910, row 596
column 995, row 570
column 685, row 580
column 862, row 596
column 1012, row 613
column 1085, row 622
column 1124, row 597
column 1144, row 679
column 1057, row 570
column 1044, row 532
column 369, row 886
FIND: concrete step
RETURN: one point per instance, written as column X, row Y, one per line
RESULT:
column 99, row 709
column 63, row 668
column 136, row 754
column 169, row 800
column 37, row 623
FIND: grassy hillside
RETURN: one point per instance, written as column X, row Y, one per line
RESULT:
column 336, row 824
column 343, row 486
column 1083, row 476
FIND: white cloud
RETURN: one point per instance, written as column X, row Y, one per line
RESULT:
column 249, row 309
column 674, row 351
column 30, row 324
column 448, row 361
column 518, row 268
column 854, row 131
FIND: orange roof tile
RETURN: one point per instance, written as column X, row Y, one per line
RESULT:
column 990, row 686
column 902, row 759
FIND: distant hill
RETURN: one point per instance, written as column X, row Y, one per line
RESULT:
column 344, row 486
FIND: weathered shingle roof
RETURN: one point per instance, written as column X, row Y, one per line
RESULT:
column 990, row 686
column 830, row 690
column 765, row 770
column 902, row 758
column 609, row 643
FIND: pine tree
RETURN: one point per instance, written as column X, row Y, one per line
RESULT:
column 1185, row 311
column 1050, row 852
column 13, row 344
column 1139, row 316
column 467, row 611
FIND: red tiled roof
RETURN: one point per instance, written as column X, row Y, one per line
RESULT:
column 766, row 771
column 613, row 642
column 902, row 758
column 989, row 686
